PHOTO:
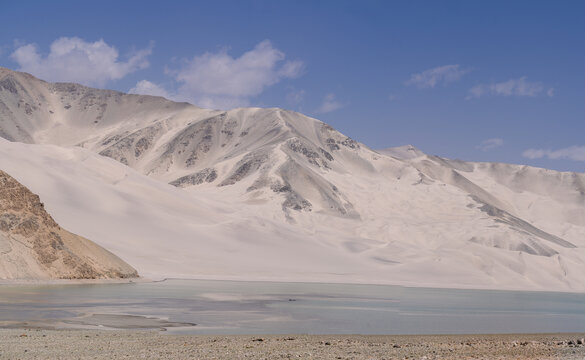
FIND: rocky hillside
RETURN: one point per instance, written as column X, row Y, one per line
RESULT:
column 34, row 246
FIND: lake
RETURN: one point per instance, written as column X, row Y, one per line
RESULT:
column 235, row 307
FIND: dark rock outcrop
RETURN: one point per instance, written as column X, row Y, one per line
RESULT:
column 34, row 246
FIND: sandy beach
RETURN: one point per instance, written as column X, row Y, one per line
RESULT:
column 92, row 344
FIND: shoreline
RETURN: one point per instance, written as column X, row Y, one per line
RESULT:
column 36, row 282
column 25, row 343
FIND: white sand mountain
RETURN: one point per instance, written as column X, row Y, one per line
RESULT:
column 273, row 194
column 33, row 246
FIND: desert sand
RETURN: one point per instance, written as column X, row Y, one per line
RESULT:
column 76, row 344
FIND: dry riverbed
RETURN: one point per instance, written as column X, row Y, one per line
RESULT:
column 92, row 344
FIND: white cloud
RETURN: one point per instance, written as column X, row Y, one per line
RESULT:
column 75, row 60
column 490, row 144
column 535, row 153
column 145, row 87
column 432, row 77
column 576, row 153
column 218, row 80
column 216, row 102
column 513, row 87
column 330, row 103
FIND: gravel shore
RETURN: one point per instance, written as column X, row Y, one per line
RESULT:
column 92, row 344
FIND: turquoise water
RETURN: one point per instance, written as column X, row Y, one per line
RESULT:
column 228, row 307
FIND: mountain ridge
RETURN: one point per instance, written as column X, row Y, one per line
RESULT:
column 396, row 213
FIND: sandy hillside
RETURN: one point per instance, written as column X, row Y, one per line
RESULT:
column 271, row 194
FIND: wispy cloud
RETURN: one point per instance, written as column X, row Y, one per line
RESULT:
column 329, row 104
column 550, row 92
column 295, row 97
column 72, row 59
column 432, row 77
column 512, row 87
column 576, row 153
column 490, row 144
column 145, row 87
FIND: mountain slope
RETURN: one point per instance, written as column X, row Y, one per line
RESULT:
column 289, row 197
column 33, row 246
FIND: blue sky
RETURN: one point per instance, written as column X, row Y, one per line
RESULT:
column 482, row 81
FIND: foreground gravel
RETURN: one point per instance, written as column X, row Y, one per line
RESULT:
column 90, row 344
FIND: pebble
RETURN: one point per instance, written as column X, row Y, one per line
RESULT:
column 86, row 344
